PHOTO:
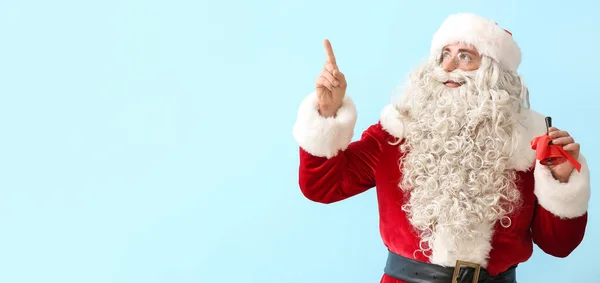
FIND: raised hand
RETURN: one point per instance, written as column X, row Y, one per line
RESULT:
column 331, row 85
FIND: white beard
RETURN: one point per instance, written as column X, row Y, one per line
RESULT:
column 456, row 173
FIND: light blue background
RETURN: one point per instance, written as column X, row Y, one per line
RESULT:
column 150, row 141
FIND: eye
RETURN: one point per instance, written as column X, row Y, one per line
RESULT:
column 446, row 55
column 464, row 57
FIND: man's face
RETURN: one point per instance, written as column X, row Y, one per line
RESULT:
column 459, row 56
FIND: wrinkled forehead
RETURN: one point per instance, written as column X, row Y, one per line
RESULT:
column 457, row 47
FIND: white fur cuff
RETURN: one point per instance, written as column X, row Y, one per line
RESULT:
column 320, row 136
column 565, row 200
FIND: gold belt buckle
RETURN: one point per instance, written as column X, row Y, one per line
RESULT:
column 459, row 264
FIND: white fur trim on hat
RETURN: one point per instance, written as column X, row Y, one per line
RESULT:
column 484, row 34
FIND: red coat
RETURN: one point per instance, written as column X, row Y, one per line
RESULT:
column 332, row 168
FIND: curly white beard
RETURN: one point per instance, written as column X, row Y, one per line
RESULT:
column 456, row 171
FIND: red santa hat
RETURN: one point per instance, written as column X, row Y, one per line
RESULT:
column 484, row 34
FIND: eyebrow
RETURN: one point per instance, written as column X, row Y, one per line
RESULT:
column 462, row 50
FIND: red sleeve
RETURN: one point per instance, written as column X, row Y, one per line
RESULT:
column 350, row 172
column 556, row 236
column 560, row 217
column 333, row 168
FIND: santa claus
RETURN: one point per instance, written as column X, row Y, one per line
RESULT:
column 461, row 195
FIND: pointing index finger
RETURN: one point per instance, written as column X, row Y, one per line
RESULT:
column 329, row 51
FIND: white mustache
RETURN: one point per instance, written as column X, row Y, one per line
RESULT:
column 457, row 76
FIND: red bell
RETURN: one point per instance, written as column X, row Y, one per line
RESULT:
column 553, row 160
column 549, row 154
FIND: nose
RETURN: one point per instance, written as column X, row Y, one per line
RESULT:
column 448, row 66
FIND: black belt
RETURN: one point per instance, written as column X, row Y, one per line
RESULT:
column 413, row 271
